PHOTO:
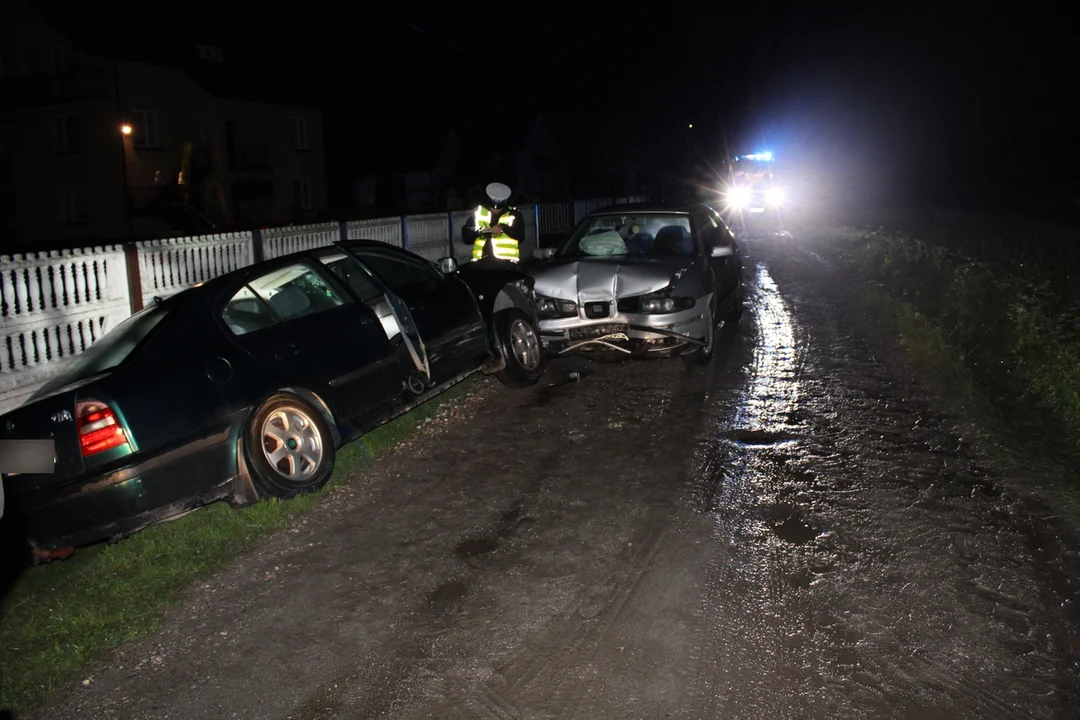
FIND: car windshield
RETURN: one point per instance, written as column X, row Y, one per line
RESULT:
column 110, row 351
column 641, row 234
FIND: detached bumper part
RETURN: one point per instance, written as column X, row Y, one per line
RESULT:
column 633, row 340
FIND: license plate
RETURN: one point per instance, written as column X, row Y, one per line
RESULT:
column 595, row 331
column 27, row 457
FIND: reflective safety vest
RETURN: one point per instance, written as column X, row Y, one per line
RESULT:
column 505, row 247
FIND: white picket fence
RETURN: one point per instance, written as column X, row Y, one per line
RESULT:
column 56, row 304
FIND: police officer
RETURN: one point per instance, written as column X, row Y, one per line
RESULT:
column 495, row 231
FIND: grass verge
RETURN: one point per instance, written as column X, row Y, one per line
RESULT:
column 61, row 618
column 1009, row 342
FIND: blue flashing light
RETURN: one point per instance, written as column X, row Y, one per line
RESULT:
column 759, row 157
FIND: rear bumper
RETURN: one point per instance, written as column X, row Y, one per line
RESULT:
column 124, row 500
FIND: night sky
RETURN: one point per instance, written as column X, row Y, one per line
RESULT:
column 942, row 101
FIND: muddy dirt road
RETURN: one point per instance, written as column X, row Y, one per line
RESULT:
column 802, row 529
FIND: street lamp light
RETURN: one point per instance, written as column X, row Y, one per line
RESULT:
column 125, row 130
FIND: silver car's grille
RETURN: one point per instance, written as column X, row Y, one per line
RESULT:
column 597, row 310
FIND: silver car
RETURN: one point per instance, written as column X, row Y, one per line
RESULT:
column 642, row 280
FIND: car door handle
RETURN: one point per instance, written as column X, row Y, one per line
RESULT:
column 288, row 351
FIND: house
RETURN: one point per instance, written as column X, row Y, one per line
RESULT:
column 98, row 146
column 413, row 175
column 276, row 169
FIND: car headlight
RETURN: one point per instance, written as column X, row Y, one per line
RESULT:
column 775, row 196
column 661, row 304
column 738, row 198
column 551, row 308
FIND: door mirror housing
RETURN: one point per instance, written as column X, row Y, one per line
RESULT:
column 545, row 253
column 448, row 265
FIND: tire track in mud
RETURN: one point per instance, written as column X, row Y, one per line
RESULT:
column 551, row 674
column 622, row 413
column 879, row 565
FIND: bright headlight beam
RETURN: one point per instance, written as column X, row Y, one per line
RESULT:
column 775, row 196
column 738, row 197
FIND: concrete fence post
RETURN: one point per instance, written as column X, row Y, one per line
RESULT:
column 450, row 234
column 257, row 246
column 343, row 230
column 404, row 232
column 134, row 276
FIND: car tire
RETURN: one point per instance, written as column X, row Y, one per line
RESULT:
column 519, row 343
column 290, row 449
column 703, row 355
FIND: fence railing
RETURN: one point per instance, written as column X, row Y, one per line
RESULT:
column 55, row 304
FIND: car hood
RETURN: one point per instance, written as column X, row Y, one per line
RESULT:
column 603, row 278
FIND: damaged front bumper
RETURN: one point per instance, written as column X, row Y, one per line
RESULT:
column 627, row 335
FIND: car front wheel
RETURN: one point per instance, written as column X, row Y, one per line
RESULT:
column 519, row 344
column 290, row 448
column 704, row 353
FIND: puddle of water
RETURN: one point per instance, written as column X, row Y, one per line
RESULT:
column 801, row 580
column 760, row 437
column 773, row 395
column 794, row 531
column 448, row 593
column 477, row 546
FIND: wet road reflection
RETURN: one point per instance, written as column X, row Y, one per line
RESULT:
column 867, row 561
column 773, row 393
column 745, row 650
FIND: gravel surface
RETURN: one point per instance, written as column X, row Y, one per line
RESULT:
column 804, row 528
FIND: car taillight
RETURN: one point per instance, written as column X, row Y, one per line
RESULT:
column 99, row 428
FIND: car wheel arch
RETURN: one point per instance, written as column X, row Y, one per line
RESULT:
column 318, row 403
column 512, row 295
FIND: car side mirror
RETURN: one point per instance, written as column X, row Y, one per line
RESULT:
column 719, row 251
column 545, row 253
column 448, row 265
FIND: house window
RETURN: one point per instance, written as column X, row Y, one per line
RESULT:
column 144, row 129
column 72, row 207
column 65, row 134
column 302, row 193
column 298, row 133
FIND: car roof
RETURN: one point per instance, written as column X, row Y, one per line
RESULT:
column 657, row 207
column 216, row 284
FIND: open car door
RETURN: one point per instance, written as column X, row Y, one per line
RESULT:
column 391, row 310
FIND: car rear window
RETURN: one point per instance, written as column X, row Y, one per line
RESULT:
column 110, row 351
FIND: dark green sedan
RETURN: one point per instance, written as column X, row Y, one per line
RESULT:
column 243, row 387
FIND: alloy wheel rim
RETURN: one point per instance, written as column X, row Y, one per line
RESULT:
column 292, row 443
column 524, row 344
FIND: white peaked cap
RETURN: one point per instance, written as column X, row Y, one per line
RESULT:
column 498, row 192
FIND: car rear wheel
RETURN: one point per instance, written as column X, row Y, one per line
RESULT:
column 519, row 344
column 290, row 448
column 704, row 353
